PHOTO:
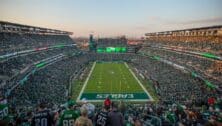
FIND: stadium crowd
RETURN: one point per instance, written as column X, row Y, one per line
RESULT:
column 120, row 113
column 51, row 85
column 172, row 84
column 11, row 67
column 194, row 63
column 182, row 99
column 203, row 44
column 12, row 42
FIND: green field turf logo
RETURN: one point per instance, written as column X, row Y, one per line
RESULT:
column 102, row 96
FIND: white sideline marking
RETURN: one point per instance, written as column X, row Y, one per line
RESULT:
column 85, row 83
column 151, row 99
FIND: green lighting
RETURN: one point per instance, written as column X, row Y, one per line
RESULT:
column 59, row 46
column 210, row 85
column 194, row 74
column 123, row 49
column 209, row 55
column 40, row 65
column 118, row 49
column 156, row 57
column 112, row 50
column 100, row 50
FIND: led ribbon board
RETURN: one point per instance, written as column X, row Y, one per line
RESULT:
column 112, row 50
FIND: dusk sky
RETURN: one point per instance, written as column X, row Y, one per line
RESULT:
column 107, row 18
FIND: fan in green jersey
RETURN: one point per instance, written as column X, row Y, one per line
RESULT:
column 3, row 111
column 69, row 116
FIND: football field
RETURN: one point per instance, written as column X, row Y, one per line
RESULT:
column 113, row 79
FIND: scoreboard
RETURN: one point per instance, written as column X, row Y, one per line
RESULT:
column 111, row 50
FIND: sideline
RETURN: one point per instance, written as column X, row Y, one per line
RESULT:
column 151, row 98
column 85, row 83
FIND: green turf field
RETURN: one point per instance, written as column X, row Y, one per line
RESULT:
column 112, row 79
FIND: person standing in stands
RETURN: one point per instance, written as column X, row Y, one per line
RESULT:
column 115, row 117
column 83, row 120
column 90, row 108
column 122, row 107
column 101, row 118
column 42, row 117
column 107, row 102
column 69, row 116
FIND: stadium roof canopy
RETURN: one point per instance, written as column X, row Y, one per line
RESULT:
column 20, row 28
column 190, row 29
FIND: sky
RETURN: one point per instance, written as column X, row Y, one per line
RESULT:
column 108, row 18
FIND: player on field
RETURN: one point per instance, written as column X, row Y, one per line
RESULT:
column 69, row 116
column 42, row 117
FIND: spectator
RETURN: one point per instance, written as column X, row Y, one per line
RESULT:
column 90, row 108
column 107, row 102
column 83, row 120
column 101, row 118
column 42, row 117
column 137, row 123
column 68, row 116
column 115, row 117
column 122, row 107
